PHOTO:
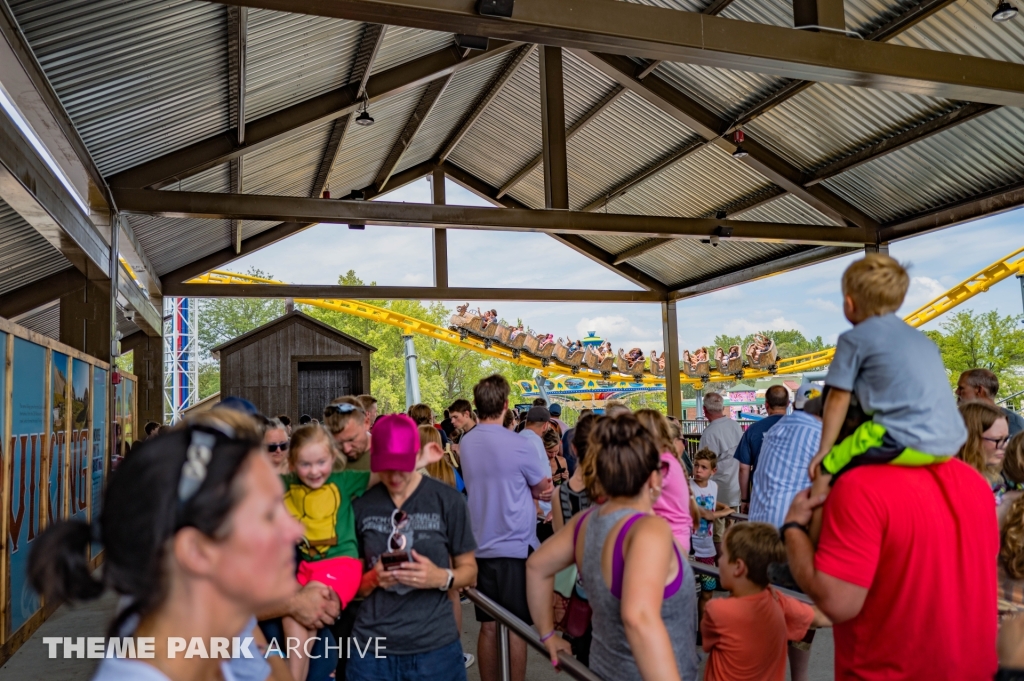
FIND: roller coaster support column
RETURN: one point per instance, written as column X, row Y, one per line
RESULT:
column 412, row 374
column 670, row 331
column 1020, row 278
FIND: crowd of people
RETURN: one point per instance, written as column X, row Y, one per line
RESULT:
column 342, row 546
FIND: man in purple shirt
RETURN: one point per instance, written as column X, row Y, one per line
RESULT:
column 503, row 476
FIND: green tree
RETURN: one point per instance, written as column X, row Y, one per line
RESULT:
column 985, row 340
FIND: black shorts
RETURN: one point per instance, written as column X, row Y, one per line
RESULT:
column 503, row 580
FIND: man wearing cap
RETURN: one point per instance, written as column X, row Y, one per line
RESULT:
column 503, row 474
column 350, row 426
column 776, row 402
column 722, row 435
column 410, row 529
column 556, row 414
column 538, row 422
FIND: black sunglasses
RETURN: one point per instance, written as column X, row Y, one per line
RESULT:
column 283, row 446
column 343, row 408
column 396, row 540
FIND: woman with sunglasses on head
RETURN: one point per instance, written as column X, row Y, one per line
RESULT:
column 985, row 448
column 275, row 439
column 638, row 584
column 195, row 539
column 415, row 537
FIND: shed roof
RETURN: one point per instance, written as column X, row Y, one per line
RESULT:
column 293, row 317
column 141, row 79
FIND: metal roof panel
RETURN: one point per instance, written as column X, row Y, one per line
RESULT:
column 25, row 255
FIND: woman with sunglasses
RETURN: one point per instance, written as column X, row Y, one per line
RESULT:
column 985, row 448
column 275, row 439
column 415, row 537
column 195, row 539
column 638, row 584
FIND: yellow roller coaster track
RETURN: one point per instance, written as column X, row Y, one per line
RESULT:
column 978, row 283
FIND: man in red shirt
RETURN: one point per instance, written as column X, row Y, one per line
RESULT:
column 906, row 570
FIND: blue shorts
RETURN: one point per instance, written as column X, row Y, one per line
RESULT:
column 443, row 664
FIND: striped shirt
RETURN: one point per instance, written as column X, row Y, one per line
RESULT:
column 781, row 470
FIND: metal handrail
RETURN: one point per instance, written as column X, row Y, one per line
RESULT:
column 509, row 622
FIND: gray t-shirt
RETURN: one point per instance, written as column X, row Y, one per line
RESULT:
column 412, row 620
column 899, row 379
column 1014, row 420
column 722, row 436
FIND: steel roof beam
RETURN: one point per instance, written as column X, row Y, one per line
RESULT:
column 743, row 275
column 416, row 119
column 40, row 292
column 238, row 29
column 942, row 123
column 656, row 33
column 983, row 205
column 409, row 293
column 712, row 128
column 299, row 209
column 571, row 132
column 552, row 124
column 485, row 101
column 369, row 45
column 315, row 111
column 274, row 234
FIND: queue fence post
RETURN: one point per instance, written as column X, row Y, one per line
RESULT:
column 503, row 653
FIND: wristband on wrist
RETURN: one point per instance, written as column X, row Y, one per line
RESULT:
column 545, row 637
column 782, row 530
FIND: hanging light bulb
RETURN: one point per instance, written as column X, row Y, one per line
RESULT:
column 737, row 138
column 364, row 118
column 1004, row 12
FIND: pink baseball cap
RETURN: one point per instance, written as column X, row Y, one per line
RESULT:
column 395, row 444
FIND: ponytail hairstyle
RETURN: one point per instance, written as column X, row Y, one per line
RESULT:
column 187, row 477
column 624, row 455
column 657, row 425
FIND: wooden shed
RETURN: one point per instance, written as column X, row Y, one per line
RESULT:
column 294, row 365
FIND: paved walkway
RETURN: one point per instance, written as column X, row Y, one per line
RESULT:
column 30, row 663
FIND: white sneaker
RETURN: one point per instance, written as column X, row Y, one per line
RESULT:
column 469, row 659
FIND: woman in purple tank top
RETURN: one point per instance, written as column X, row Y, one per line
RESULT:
column 644, row 618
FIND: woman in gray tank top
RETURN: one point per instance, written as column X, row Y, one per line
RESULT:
column 638, row 583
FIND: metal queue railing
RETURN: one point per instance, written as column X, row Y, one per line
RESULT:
column 507, row 622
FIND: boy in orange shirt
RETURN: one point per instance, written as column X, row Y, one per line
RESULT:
column 745, row 635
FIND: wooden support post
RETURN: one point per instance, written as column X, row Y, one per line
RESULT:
column 670, row 331
column 552, row 107
column 440, row 235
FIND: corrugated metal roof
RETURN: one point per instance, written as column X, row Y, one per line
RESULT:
column 788, row 209
column 366, row 148
column 138, row 78
column 287, row 167
column 686, row 260
column 405, row 44
column 630, row 136
column 826, row 122
column 508, row 135
column 171, row 242
column 972, row 158
column 292, row 57
column 966, row 27
column 711, row 179
column 462, row 93
column 43, row 320
column 25, row 256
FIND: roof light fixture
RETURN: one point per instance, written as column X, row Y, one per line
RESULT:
column 1004, row 12
column 495, row 8
column 364, row 118
column 737, row 138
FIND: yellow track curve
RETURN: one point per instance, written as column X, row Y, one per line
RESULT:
column 978, row 283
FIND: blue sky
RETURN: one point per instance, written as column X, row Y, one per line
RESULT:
column 808, row 299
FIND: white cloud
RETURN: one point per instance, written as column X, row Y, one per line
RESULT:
column 743, row 326
column 922, row 290
column 823, row 305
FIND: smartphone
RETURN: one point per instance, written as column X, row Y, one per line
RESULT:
column 394, row 559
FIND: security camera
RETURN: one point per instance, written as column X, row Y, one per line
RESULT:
column 129, row 315
column 714, row 239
